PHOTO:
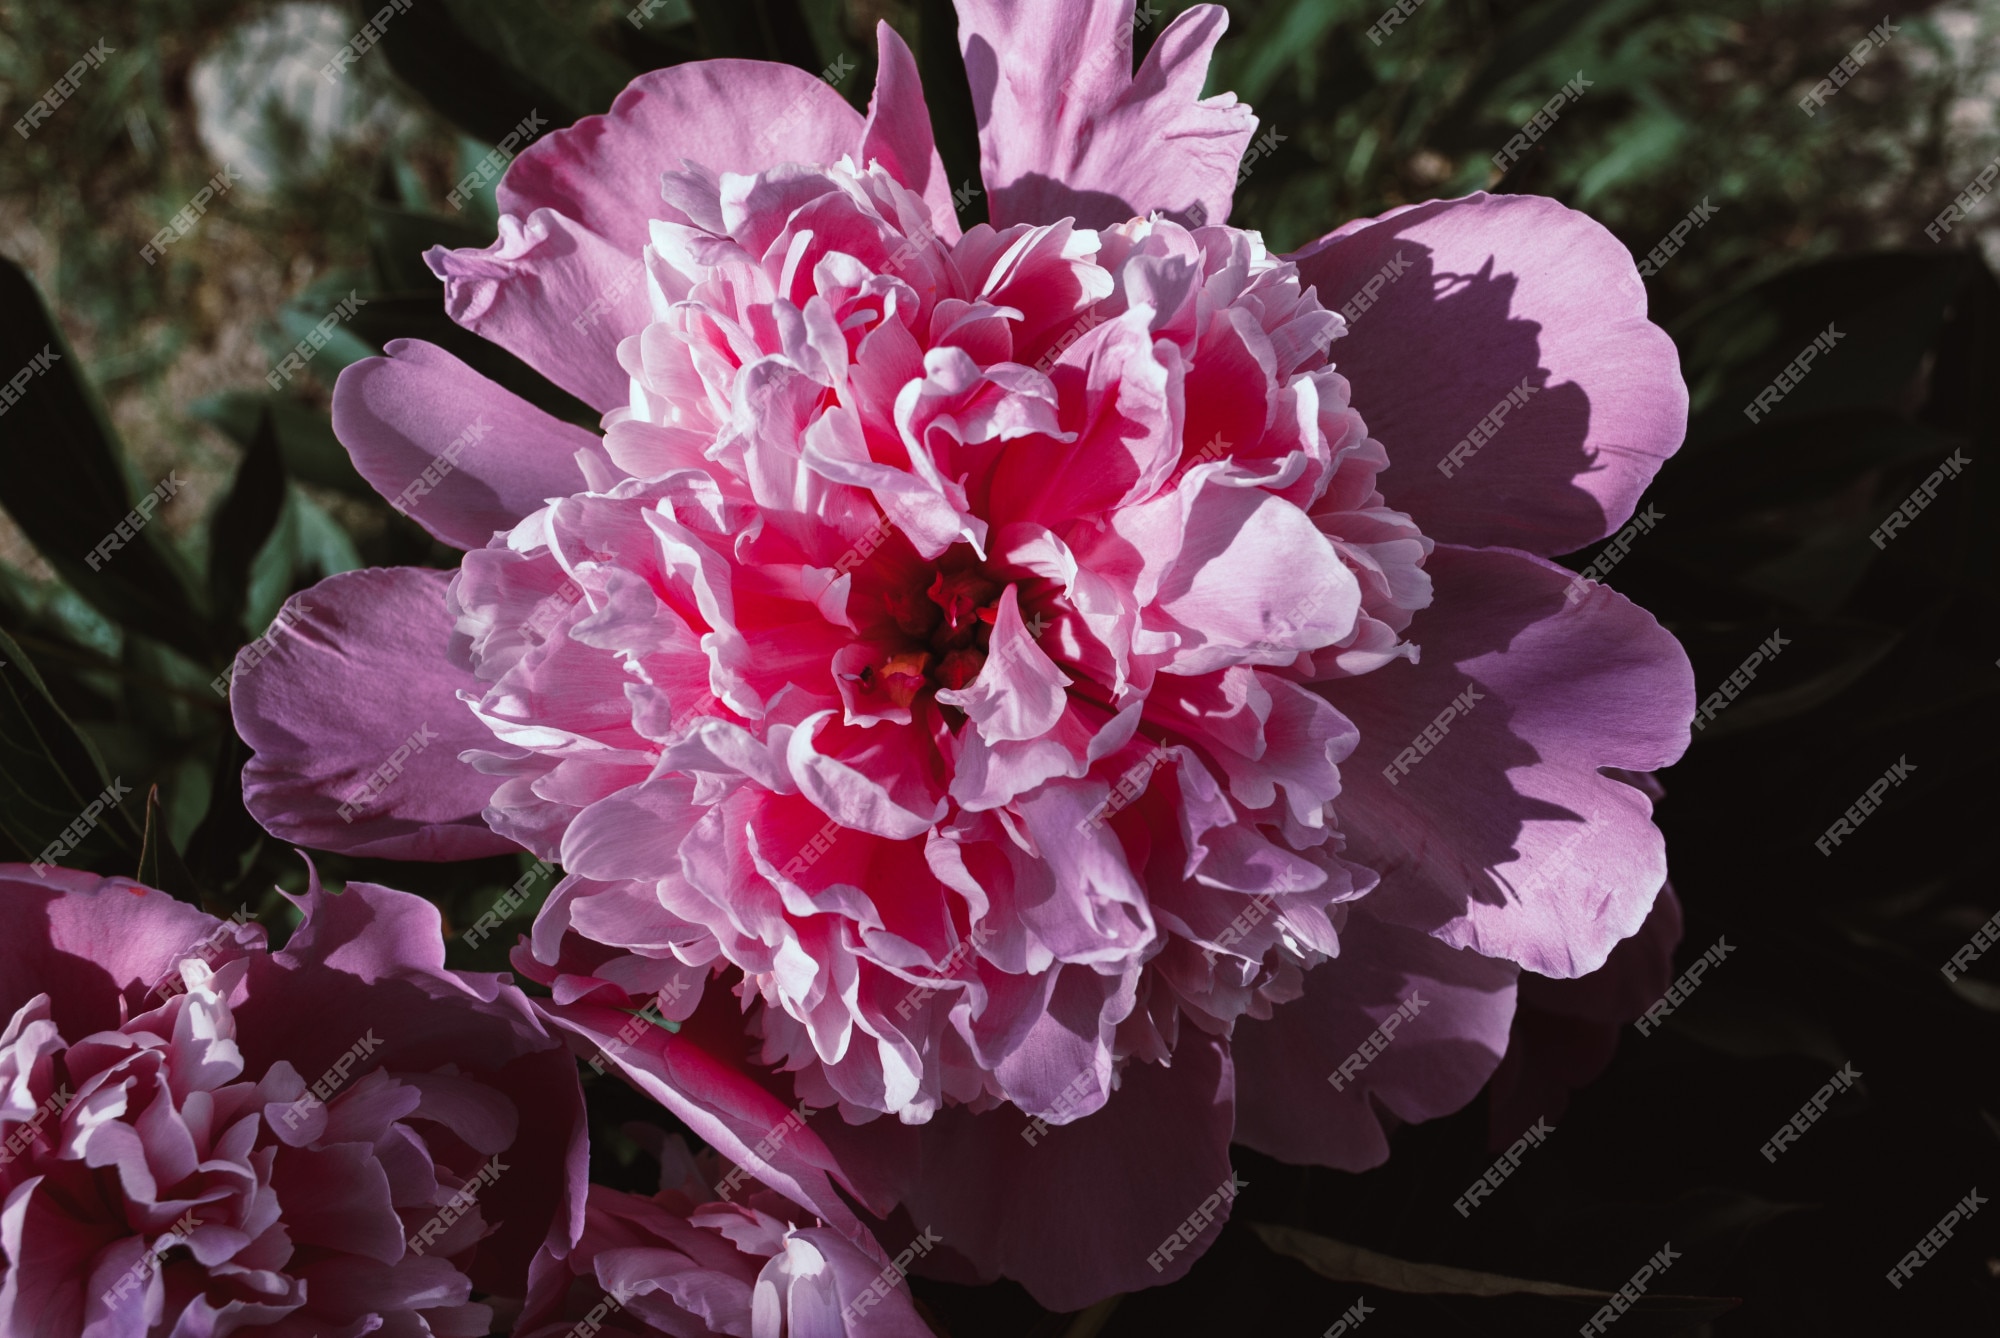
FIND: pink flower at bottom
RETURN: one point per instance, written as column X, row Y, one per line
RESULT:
column 687, row 1263
column 199, row 1136
column 1048, row 694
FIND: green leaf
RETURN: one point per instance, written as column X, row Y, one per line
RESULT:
column 63, row 481
column 243, row 523
column 486, row 64
column 306, row 444
column 50, row 774
column 1350, row 1263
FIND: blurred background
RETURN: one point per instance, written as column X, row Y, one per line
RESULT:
column 170, row 383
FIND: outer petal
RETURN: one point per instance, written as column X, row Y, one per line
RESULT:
column 493, row 456
column 1499, row 290
column 85, row 941
column 898, row 133
column 1073, row 1216
column 1566, row 1031
column 364, row 669
column 1066, row 132
column 1435, row 1062
column 539, row 291
column 727, row 115
column 700, row 1074
column 1506, row 837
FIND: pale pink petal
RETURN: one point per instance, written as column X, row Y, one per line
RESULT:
column 1066, row 130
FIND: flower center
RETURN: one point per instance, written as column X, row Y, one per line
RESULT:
column 943, row 627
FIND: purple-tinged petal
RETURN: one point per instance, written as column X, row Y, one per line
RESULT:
column 450, row 449
column 1002, row 1194
column 356, row 706
column 1485, row 297
column 1451, row 1009
column 1500, row 832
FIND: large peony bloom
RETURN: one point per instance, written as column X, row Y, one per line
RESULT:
column 688, row 1263
column 992, row 686
column 200, row 1137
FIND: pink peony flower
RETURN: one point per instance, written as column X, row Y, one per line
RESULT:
column 687, row 1263
column 992, row 686
column 199, row 1136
